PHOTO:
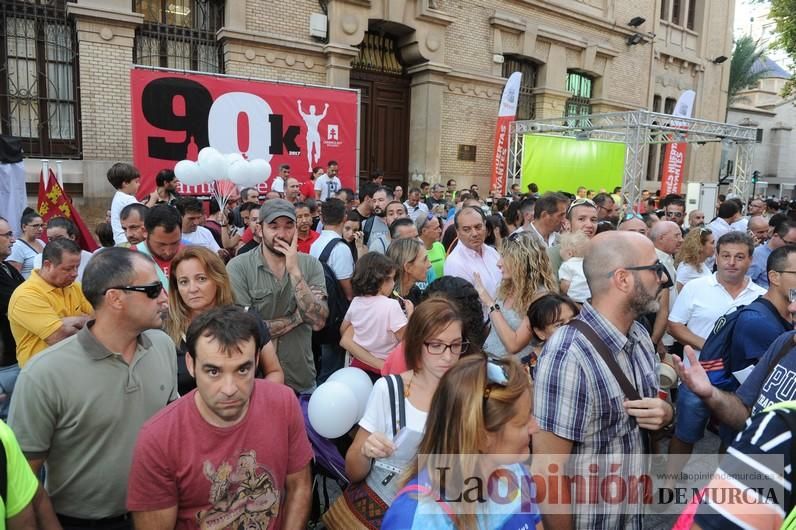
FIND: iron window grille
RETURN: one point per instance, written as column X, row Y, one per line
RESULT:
column 526, row 103
column 39, row 94
column 179, row 34
column 580, row 87
column 378, row 53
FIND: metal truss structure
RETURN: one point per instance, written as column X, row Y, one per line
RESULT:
column 638, row 130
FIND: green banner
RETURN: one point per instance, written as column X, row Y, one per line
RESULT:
column 556, row 163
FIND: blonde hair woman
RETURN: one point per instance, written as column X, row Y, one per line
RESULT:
column 480, row 422
column 527, row 273
column 412, row 259
column 698, row 246
column 198, row 282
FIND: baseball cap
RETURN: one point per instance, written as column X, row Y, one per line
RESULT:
column 273, row 208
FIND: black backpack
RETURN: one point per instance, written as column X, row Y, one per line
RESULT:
column 335, row 298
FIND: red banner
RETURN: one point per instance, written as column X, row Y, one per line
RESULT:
column 506, row 114
column 54, row 202
column 176, row 114
column 672, row 169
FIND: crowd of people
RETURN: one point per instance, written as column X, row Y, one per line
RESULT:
column 161, row 381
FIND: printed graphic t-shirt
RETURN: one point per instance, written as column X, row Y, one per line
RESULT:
column 220, row 477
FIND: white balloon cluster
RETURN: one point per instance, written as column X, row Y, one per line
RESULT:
column 213, row 166
column 339, row 403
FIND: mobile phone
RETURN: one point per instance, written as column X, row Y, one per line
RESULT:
column 792, row 295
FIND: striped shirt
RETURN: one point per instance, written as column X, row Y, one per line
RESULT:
column 576, row 397
column 756, row 465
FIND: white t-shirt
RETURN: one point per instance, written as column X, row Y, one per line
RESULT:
column 327, row 186
column 686, row 272
column 375, row 320
column 340, row 260
column 85, row 256
column 120, row 200
column 377, row 416
column 202, row 237
column 278, row 185
column 703, row 300
column 572, row 271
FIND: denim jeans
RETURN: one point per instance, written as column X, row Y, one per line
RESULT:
column 8, row 379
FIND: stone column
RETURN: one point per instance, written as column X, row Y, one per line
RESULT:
column 425, row 121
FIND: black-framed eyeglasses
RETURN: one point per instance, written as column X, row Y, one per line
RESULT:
column 436, row 347
column 10, row 233
column 657, row 267
column 496, row 375
column 581, row 202
column 787, row 272
column 152, row 290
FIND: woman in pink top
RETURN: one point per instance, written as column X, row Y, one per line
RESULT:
column 374, row 323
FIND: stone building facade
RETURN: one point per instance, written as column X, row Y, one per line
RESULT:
column 430, row 71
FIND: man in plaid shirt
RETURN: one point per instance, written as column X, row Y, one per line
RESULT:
column 589, row 428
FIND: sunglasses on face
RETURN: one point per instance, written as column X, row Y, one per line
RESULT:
column 657, row 267
column 678, row 215
column 151, row 290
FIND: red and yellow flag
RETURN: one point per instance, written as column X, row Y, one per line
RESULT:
column 54, row 202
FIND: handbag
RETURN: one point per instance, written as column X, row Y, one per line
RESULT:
column 360, row 507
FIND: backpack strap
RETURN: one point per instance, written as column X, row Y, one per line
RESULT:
column 327, row 250
column 368, row 228
column 395, row 386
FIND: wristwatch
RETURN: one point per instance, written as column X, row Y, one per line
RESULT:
column 494, row 307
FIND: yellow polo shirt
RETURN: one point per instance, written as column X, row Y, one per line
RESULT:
column 35, row 312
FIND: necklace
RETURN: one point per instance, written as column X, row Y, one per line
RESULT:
column 408, row 387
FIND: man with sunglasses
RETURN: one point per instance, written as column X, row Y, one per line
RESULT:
column 583, row 410
column 674, row 211
column 78, row 406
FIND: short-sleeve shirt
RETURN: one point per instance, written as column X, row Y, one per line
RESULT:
column 278, row 185
column 340, row 260
column 80, row 406
column 304, row 245
column 375, row 320
column 767, row 385
column 85, row 257
column 576, row 397
column 327, row 186
column 232, row 474
column 22, row 484
column 463, row 262
column 704, row 300
column 201, row 237
column 687, row 272
column 22, row 252
column 572, row 271
column 36, row 309
column 436, row 255
column 120, row 200
column 759, row 454
column 416, row 211
column 757, row 270
column 254, row 285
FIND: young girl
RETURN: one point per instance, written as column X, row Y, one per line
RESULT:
column 546, row 314
column 571, row 276
column 374, row 323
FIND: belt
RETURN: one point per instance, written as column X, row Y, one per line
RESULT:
column 92, row 523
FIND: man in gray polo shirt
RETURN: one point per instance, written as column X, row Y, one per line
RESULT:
column 78, row 405
column 288, row 290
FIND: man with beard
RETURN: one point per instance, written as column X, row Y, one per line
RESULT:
column 166, row 191
column 286, row 288
column 163, row 239
column 695, row 312
column 133, row 217
column 306, row 235
column 375, row 224
column 394, row 210
column 586, row 415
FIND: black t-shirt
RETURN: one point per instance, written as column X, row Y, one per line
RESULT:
column 10, row 279
column 186, row 382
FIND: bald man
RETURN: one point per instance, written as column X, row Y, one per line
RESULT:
column 696, row 218
column 583, row 411
column 634, row 224
column 758, row 226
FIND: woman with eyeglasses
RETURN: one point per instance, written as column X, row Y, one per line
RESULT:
column 434, row 341
column 29, row 245
column 429, row 228
column 698, row 246
column 526, row 274
column 479, row 427
column 198, row 281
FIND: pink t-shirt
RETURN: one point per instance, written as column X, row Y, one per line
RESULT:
column 375, row 320
column 220, row 477
column 395, row 363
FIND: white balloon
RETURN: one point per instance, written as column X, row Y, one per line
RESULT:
column 332, row 409
column 189, row 173
column 245, row 173
column 213, row 163
column 262, row 168
column 233, row 157
column 358, row 381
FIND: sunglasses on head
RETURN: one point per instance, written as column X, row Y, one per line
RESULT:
column 581, row 202
column 496, row 375
column 633, row 215
column 152, row 290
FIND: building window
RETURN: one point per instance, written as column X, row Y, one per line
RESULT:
column 691, row 17
column 526, row 103
column 676, row 9
column 668, row 105
column 664, row 9
column 580, row 86
column 179, row 34
column 38, row 92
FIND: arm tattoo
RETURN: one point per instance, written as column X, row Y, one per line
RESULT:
column 311, row 305
column 283, row 325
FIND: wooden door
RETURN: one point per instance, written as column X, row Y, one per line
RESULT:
column 383, row 125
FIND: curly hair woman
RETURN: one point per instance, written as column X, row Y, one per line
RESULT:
column 698, row 246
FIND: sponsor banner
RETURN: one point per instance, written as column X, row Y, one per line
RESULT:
column 506, row 115
column 674, row 154
column 176, row 114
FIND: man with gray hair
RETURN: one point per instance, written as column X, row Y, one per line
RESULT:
column 437, row 196
column 667, row 238
column 121, row 369
column 592, row 414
